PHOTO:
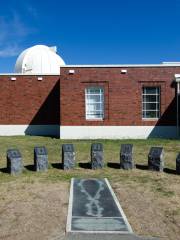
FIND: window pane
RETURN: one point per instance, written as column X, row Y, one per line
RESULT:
column 93, row 90
column 149, row 98
column 93, row 98
column 95, row 106
column 150, row 114
column 149, row 106
column 150, row 90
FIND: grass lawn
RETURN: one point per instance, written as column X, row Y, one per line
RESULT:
column 34, row 205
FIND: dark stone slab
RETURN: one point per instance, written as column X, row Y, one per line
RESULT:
column 40, row 159
column 14, row 161
column 86, row 190
column 97, row 156
column 156, row 159
column 68, row 156
column 178, row 164
column 126, row 156
column 94, row 207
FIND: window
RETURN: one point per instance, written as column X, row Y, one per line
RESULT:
column 151, row 102
column 94, row 97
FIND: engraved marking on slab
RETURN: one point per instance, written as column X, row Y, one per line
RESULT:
column 93, row 208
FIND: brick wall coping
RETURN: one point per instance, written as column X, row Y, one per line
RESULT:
column 122, row 65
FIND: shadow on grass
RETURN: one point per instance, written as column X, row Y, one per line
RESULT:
column 170, row 171
column 86, row 165
column 142, row 167
column 30, row 167
column 57, row 165
column 4, row 170
column 113, row 165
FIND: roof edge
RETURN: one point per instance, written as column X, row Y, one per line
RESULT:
column 121, row 65
column 29, row 74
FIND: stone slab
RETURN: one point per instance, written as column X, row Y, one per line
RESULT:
column 126, row 156
column 156, row 159
column 14, row 161
column 68, row 156
column 40, row 159
column 93, row 207
column 97, row 161
column 178, row 164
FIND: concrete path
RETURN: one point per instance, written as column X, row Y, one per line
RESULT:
column 105, row 237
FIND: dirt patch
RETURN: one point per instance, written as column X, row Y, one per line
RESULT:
column 33, row 211
column 38, row 210
column 149, row 213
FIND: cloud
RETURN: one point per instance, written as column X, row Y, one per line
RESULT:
column 13, row 32
column 10, row 51
column 32, row 11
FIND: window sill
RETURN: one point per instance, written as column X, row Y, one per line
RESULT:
column 150, row 119
column 95, row 119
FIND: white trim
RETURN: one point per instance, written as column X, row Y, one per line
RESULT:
column 29, row 74
column 119, row 206
column 44, row 130
column 116, row 132
column 69, row 215
column 13, row 78
column 121, row 65
column 90, row 132
column 71, row 71
column 177, row 77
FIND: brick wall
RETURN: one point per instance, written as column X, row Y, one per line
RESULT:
column 122, row 95
column 29, row 101
column 61, row 100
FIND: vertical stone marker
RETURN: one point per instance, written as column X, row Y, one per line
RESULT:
column 40, row 159
column 97, row 156
column 68, row 156
column 156, row 159
column 14, row 161
column 178, row 164
column 126, row 158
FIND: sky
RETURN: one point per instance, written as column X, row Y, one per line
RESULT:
column 92, row 31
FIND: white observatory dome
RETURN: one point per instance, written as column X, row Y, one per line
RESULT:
column 39, row 59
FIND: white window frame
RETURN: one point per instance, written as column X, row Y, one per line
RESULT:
column 91, row 116
column 157, row 101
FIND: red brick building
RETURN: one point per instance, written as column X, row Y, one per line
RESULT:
column 112, row 101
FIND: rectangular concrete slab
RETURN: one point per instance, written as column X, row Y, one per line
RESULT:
column 94, row 208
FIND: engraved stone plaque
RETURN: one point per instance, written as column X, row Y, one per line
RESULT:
column 14, row 161
column 68, row 156
column 126, row 156
column 156, row 159
column 97, row 156
column 40, row 159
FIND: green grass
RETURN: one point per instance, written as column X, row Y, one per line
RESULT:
column 82, row 148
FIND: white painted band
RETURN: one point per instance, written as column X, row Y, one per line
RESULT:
column 41, row 130
column 117, row 132
column 90, row 132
